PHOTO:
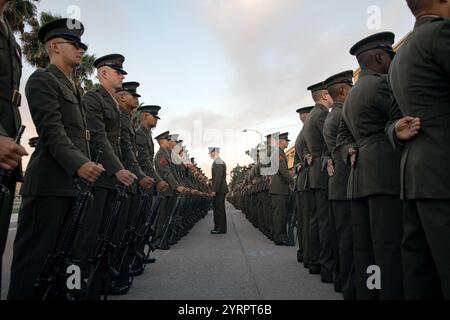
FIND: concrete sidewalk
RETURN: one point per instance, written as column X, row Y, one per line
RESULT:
column 241, row 265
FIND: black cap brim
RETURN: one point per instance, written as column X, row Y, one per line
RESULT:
column 119, row 69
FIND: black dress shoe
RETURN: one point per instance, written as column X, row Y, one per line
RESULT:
column 149, row 260
column 119, row 290
column 299, row 256
column 138, row 271
column 282, row 244
column 163, row 248
column 314, row 269
column 217, row 232
column 306, row 265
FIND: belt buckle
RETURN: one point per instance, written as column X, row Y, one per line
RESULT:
column 16, row 98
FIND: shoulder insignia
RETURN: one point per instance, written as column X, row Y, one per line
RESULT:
column 164, row 161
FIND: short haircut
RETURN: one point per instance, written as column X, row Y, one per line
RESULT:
column 317, row 95
column 334, row 90
column 417, row 6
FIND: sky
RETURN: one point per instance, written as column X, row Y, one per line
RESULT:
column 217, row 67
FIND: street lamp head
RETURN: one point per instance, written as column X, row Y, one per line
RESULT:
column 245, row 131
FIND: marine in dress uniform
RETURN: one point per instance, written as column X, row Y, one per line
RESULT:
column 219, row 189
column 128, row 100
column 164, row 168
column 321, row 241
column 103, row 116
column 281, row 185
column 62, row 155
column 420, row 80
column 338, row 87
column 374, row 183
column 304, row 195
column 10, row 121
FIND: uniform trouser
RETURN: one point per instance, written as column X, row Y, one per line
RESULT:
column 321, row 245
column 261, row 209
column 41, row 221
column 306, row 205
column 334, row 238
column 5, row 220
column 269, row 215
column 341, row 212
column 426, row 249
column 377, row 233
column 220, row 215
column 279, row 204
column 254, row 209
column 299, row 222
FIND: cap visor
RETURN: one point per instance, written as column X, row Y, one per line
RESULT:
column 121, row 71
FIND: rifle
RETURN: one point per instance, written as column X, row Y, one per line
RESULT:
column 145, row 232
column 163, row 244
column 51, row 283
column 102, row 259
column 130, row 239
column 177, row 222
column 5, row 195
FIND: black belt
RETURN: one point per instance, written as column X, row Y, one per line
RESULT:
column 85, row 135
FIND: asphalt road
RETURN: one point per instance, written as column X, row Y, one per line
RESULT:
column 241, row 265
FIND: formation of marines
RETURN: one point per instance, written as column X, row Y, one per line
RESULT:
column 95, row 196
column 371, row 182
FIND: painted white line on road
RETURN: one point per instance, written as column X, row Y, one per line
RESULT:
column 13, row 229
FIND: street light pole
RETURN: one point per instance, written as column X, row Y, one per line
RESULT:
column 251, row 130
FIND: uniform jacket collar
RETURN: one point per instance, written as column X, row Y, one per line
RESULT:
column 366, row 72
column 424, row 20
column 59, row 74
column 321, row 106
column 109, row 97
column 338, row 105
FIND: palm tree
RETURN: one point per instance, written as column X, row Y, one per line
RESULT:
column 18, row 13
column 36, row 55
column 84, row 72
column 33, row 50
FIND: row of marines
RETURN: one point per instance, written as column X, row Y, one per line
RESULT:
column 95, row 196
column 371, row 184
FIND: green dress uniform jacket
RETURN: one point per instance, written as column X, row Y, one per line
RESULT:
column 366, row 113
column 59, row 116
column 422, row 70
column 219, row 177
column 313, row 131
column 282, row 180
column 146, row 152
column 301, row 150
column 337, row 185
column 128, row 149
column 163, row 166
column 104, row 123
